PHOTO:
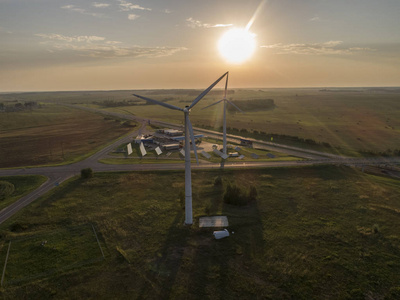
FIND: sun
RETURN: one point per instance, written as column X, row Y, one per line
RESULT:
column 237, row 45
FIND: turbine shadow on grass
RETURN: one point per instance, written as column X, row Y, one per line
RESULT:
column 165, row 268
column 217, row 267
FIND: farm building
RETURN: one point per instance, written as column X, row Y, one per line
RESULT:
column 173, row 132
column 169, row 147
column 144, row 139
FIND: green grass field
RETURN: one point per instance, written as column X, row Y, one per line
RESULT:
column 313, row 233
column 53, row 135
column 44, row 254
column 23, row 185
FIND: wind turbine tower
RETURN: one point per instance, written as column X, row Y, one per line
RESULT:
column 189, row 135
column 224, row 121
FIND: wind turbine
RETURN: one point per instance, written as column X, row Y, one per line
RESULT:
column 224, row 124
column 188, row 131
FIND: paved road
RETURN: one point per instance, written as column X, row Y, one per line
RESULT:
column 58, row 174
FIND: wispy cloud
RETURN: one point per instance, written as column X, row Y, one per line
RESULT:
column 98, row 47
column 127, row 6
column 167, row 11
column 5, row 30
column 327, row 48
column 198, row 24
column 315, row 19
column 133, row 17
column 100, row 5
column 75, row 38
column 82, row 11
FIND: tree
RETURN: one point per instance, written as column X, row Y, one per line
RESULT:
column 6, row 189
column 234, row 195
column 86, row 173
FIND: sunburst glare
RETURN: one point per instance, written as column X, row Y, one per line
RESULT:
column 237, row 45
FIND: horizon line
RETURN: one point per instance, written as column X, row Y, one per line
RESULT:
column 144, row 89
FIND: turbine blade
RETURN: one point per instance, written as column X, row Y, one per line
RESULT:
column 170, row 106
column 235, row 106
column 193, row 140
column 226, row 85
column 213, row 104
column 205, row 92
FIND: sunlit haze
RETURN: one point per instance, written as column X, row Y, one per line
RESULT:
column 51, row 45
column 237, row 45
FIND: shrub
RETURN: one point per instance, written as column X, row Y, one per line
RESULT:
column 218, row 181
column 234, row 195
column 86, row 173
column 6, row 189
column 375, row 228
column 17, row 227
column 128, row 124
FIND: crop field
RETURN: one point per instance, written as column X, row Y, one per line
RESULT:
column 351, row 121
column 53, row 134
column 362, row 121
column 312, row 233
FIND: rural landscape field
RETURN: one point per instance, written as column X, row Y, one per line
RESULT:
column 200, row 150
column 353, row 122
column 316, row 232
column 311, row 232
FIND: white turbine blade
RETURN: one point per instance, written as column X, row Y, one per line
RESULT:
column 226, row 85
column 206, row 91
column 213, row 104
column 235, row 106
column 193, row 140
column 159, row 102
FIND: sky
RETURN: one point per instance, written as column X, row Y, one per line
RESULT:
column 59, row 45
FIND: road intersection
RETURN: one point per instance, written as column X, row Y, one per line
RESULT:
column 58, row 174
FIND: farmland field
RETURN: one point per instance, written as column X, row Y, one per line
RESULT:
column 53, row 134
column 313, row 233
column 351, row 121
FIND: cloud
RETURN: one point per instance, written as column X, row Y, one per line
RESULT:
column 2, row 29
column 127, row 6
column 98, row 47
column 198, row 24
column 315, row 19
column 133, row 17
column 167, row 11
column 76, row 38
column 100, row 5
column 327, row 48
column 81, row 11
